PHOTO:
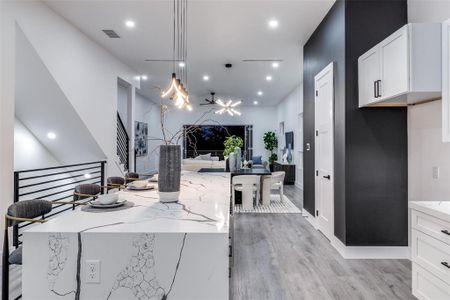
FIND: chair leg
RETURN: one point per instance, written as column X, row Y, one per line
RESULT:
column 281, row 193
column 5, row 266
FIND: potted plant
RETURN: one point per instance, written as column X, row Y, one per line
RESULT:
column 230, row 144
column 271, row 143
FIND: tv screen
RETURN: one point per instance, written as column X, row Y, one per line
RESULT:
column 209, row 139
column 289, row 139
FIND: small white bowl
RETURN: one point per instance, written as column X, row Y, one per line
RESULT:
column 140, row 183
column 108, row 199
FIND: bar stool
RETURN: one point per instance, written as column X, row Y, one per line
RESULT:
column 22, row 211
column 131, row 176
column 114, row 183
column 84, row 191
column 249, row 186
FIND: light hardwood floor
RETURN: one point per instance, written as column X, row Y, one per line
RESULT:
column 281, row 256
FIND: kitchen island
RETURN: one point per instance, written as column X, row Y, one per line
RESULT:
column 144, row 250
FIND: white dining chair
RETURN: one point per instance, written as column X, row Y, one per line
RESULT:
column 277, row 183
column 249, row 186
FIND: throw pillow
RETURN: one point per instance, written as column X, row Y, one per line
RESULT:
column 257, row 160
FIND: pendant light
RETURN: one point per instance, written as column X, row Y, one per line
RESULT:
column 177, row 90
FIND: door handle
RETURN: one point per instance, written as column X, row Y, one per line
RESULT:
column 444, row 263
column 445, row 231
column 378, row 88
column 327, row 177
column 375, row 88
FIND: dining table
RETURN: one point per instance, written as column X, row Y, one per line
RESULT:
column 145, row 249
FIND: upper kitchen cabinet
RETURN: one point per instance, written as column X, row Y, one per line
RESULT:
column 446, row 81
column 404, row 68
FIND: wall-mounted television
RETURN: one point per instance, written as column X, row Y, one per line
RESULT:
column 289, row 138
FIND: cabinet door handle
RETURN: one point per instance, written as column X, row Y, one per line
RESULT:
column 445, row 231
column 378, row 88
column 375, row 88
column 327, row 177
column 444, row 263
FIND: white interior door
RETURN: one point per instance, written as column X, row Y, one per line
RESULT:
column 324, row 153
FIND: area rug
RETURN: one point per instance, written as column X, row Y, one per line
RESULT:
column 275, row 207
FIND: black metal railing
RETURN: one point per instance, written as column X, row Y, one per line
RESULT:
column 54, row 184
column 123, row 143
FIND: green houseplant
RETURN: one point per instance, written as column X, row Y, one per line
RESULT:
column 230, row 143
column 271, row 143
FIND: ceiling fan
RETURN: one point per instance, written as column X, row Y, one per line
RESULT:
column 210, row 102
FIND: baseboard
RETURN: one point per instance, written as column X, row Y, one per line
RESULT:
column 309, row 218
column 371, row 252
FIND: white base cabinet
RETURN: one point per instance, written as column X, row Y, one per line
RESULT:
column 430, row 250
column 404, row 68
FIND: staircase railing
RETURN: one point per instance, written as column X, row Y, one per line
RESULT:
column 123, row 144
column 54, row 184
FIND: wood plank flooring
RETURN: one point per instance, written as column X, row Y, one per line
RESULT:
column 281, row 256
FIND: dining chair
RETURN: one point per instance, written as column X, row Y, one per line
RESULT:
column 18, row 212
column 277, row 183
column 131, row 176
column 249, row 186
column 114, row 183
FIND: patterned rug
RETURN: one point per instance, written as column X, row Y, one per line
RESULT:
column 275, row 207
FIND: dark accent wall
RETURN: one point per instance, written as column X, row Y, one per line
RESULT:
column 370, row 143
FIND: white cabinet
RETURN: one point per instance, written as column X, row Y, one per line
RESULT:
column 430, row 249
column 404, row 68
column 446, row 81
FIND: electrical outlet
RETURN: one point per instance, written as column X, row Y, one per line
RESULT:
column 92, row 271
column 436, row 172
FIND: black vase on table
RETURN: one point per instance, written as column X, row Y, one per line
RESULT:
column 169, row 173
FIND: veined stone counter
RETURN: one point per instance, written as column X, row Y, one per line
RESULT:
column 151, row 250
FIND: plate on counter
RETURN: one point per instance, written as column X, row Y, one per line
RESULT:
column 135, row 188
column 97, row 204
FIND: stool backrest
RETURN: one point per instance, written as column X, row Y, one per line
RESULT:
column 27, row 209
column 278, row 176
column 130, row 176
column 115, row 180
column 88, row 189
column 246, row 179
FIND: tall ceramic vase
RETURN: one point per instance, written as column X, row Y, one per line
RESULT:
column 232, row 161
column 289, row 154
column 169, row 173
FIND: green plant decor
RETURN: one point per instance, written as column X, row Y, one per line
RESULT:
column 271, row 143
column 230, row 143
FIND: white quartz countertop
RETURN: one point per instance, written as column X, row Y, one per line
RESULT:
column 440, row 209
column 203, row 207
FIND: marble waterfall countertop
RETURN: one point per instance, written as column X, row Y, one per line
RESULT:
column 204, row 206
column 440, row 209
column 150, row 251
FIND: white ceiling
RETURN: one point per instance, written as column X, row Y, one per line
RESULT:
column 219, row 32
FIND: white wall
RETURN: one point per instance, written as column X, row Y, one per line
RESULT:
column 29, row 153
column 86, row 73
column 148, row 112
column 425, row 148
column 290, row 111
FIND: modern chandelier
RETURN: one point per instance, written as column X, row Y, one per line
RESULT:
column 177, row 91
column 228, row 107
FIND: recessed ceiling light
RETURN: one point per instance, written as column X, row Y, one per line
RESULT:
column 260, row 93
column 51, row 135
column 181, row 64
column 273, row 23
column 269, row 78
column 205, row 77
column 275, row 65
column 255, row 102
column 130, row 24
column 144, row 77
